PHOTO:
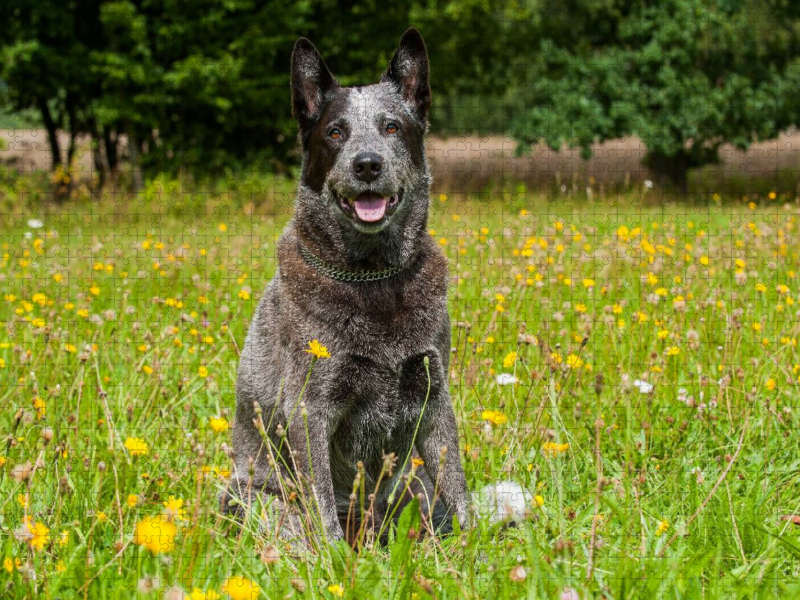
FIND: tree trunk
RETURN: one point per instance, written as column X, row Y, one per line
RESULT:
column 133, row 152
column 670, row 171
column 52, row 132
column 110, row 144
column 98, row 154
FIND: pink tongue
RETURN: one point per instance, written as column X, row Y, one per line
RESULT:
column 370, row 207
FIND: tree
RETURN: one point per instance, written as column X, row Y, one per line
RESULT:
column 45, row 51
column 686, row 76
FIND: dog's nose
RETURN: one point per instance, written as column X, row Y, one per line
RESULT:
column 367, row 166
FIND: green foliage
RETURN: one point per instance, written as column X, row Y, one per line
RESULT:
column 685, row 76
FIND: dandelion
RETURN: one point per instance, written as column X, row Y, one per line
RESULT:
column 136, row 446
column 36, row 535
column 219, row 424
column 494, row 417
column 41, row 407
column 509, row 360
column 336, row 589
column 662, row 528
column 157, row 534
column 64, row 539
column 317, row 350
column 574, row 362
column 241, row 588
column 203, row 372
column 771, row 384
column 554, row 449
column 174, row 508
column 539, row 501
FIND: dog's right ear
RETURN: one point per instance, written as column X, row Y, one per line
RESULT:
column 311, row 81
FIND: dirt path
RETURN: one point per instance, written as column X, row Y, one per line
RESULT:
column 472, row 163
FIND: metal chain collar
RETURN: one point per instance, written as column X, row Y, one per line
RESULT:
column 338, row 274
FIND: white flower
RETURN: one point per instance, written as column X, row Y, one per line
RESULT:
column 648, row 184
column 35, row 224
column 506, row 379
column 643, row 386
column 502, row 501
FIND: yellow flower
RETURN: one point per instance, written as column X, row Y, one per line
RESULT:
column 22, row 500
column 241, row 588
column 554, row 449
column 510, row 360
column 219, row 424
column 539, row 500
column 136, row 446
column 574, row 362
column 336, row 590
column 64, row 539
column 157, row 534
column 40, row 406
column 417, row 461
column 133, row 500
column 494, row 417
column 662, row 527
column 222, row 227
column 38, row 534
column 673, row 351
column 318, row 350
column 174, row 506
column 147, row 369
column 203, row 372
column 771, row 384
column 8, row 565
column 60, row 566
column 102, row 517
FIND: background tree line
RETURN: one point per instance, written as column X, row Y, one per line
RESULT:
column 203, row 84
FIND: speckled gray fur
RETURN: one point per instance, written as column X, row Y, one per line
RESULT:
column 365, row 400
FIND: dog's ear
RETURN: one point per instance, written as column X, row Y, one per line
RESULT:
column 408, row 70
column 311, row 81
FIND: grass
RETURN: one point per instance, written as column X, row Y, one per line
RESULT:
column 121, row 319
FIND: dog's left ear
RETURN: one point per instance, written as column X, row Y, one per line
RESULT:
column 408, row 70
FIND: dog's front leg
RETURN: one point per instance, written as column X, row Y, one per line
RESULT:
column 438, row 431
column 313, row 462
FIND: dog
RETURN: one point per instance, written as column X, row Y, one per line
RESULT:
column 357, row 271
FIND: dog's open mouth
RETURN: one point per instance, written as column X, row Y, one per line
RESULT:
column 368, row 207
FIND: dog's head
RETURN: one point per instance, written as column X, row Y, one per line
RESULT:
column 365, row 179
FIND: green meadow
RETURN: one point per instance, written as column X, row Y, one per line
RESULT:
column 631, row 362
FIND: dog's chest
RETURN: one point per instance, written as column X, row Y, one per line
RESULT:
column 380, row 410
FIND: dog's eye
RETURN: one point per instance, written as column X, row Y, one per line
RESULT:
column 335, row 134
column 392, row 128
